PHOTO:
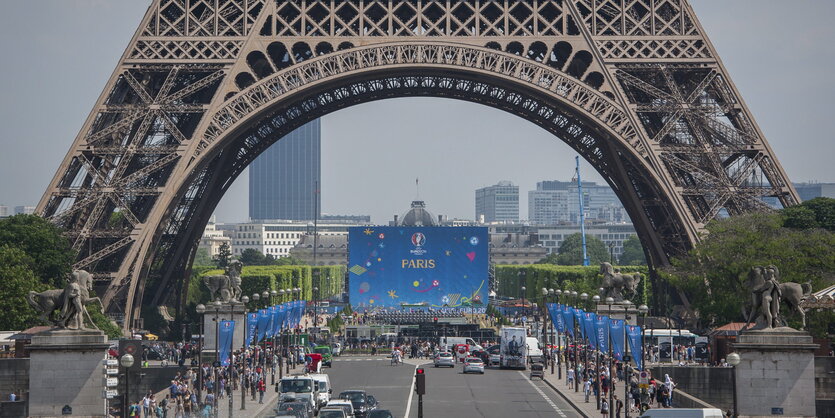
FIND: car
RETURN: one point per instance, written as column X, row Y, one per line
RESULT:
column 298, row 388
column 380, row 413
column 295, row 408
column 323, row 388
column 332, row 413
column 494, row 355
column 362, row 402
column 346, row 406
column 444, row 358
column 473, row 365
column 325, row 351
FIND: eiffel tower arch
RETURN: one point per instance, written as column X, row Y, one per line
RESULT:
column 634, row 86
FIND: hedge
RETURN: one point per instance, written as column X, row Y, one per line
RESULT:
column 534, row 277
column 257, row 279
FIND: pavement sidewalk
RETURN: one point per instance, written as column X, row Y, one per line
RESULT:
column 576, row 399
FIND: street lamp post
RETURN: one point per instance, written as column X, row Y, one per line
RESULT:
column 596, row 301
column 279, row 350
column 524, row 289
column 643, row 309
column 545, row 321
column 126, row 361
column 576, row 350
column 201, row 309
column 273, row 296
column 734, row 359
column 627, row 368
column 216, row 305
column 584, row 297
column 609, row 301
column 558, row 292
column 315, row 307
column 244, row 301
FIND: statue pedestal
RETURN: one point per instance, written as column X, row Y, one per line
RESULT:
column 227, row 311
column 626, row 311
column 66, row 371
column 776, row 373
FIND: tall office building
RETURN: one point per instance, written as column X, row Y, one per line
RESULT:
column 556, row 202
column 497, row 203
column 282, row 180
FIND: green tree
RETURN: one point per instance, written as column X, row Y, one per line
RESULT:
column 253, row 257
column 713, row 274
column 224, row 256
column 288, row 261
column 799, row 217
column 17, row 281
column 49, row 253
column 202, row 258
column 633, row 252
column 549, row 259
column 824, row 210
column 571, row 250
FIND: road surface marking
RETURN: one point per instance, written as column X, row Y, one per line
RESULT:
column 547, row 399
column 411, row 392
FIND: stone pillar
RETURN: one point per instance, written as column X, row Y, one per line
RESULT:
column 66, row 370
column 776, row 373
column 627, row 312
column 227, row 311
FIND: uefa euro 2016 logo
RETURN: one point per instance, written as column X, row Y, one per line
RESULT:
column 418, row 239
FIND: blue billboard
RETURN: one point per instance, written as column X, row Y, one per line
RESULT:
column 417, row 267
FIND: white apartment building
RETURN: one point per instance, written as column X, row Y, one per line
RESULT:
column 213, row 239
column 612, row 235
column 276, row 238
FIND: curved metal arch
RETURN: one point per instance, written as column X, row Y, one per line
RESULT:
column 239, row 109
column 627, row 173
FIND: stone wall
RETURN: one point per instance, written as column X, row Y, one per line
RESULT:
column 825, row 386
column 709, row 384
column 14, row 377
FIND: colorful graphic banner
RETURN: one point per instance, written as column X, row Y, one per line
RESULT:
column 556, row 317
column 225, row 333
column 405, row 267
column 278, row 322
column 272, row 312
column 578, row 316
column 251, row 327
column 616, row 334
column 601, row 331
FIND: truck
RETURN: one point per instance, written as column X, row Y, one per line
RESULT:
column 514, row 350
column 447, row 343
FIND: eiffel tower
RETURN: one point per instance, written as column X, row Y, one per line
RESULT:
column 634, row 86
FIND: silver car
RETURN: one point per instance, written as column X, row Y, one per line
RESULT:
column 444, row 359
column 473, row 365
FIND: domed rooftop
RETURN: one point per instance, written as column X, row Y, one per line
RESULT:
column 418, row 215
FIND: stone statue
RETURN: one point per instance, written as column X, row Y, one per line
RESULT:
column 70, row 302
column 226, row 287
column 615, row 283
column 767, row 293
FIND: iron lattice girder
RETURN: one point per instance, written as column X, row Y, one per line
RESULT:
column 208, row 84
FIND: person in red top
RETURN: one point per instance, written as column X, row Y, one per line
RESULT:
column 262, row 388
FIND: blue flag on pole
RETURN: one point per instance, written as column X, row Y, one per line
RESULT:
column 588, row 323
column 225, row 333
column 568, row 319
column 601, row 328
column 263, row 321
column 633, row 335
column 578, row 315
column 556, row 317
column 279, row 321
column 251, row 327
column 616, row 333
column 272, row 313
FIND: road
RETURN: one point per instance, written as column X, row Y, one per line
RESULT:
column 497, row 393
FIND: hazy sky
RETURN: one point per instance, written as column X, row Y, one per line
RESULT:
column 58, row 55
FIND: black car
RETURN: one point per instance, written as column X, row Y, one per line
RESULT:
column 380, row 413
column 362, row 402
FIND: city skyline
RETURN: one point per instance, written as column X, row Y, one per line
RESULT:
column 454, row 147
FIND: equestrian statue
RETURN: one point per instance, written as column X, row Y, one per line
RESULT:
column 615, row 283
column 767, row 294
column 226, row 287
column 69, row 302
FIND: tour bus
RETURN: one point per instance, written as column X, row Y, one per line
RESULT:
column 666, row 338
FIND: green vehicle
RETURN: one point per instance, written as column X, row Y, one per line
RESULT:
column 325, row 351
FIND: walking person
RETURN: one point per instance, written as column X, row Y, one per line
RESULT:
column 604, row 407
column 618, row 406
column 670, row 385
column 587, row 389
column 262, row 388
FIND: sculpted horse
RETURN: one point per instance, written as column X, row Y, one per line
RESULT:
column 227, row 286
column 76, row 293
column 614, row 283
column 767, row 293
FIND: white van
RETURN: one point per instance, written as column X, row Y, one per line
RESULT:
column 299, row 388
column 323, row 387
column 683, row 413
column 447, row 343
column 534, row 350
